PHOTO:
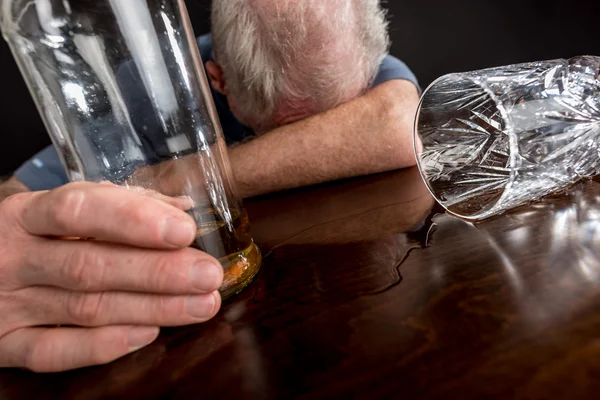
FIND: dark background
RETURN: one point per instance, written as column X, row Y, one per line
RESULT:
column 432, row 37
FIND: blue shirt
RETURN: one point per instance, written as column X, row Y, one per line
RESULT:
column 44, row 171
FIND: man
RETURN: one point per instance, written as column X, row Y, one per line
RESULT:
column 305, row 94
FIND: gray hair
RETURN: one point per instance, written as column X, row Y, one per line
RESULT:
column 281, row 54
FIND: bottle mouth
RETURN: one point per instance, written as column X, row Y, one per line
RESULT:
column 463, row 146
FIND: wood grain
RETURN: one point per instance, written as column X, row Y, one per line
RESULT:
column 351, row 304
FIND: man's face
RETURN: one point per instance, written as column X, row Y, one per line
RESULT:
column 256, row 124
column 217, row 81
column 286, row 113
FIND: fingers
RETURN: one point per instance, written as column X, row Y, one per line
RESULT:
column 93, row 266
column 182, row 202
column 106, row 213
column 56, row 306
column 60, row 349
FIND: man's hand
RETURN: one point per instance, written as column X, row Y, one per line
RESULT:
column 367, row 135
column 109, row 294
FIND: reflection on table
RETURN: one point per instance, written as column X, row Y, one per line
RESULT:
column 368, row 292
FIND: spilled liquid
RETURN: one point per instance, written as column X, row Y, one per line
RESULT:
column 338, row 267
column 419, row 237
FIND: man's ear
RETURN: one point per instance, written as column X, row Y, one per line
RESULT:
column 215, row 75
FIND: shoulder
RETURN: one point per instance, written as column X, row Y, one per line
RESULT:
column 205, row 45
column 43, row 172
column 393, row 68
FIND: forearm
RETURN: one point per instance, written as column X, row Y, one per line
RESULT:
column 10, row 187
column 367, row 135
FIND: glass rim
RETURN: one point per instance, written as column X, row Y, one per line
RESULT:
column 495, row 207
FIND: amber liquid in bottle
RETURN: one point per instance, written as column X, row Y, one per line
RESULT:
column 226, row 236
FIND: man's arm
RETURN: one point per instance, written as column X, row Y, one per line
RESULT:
column 370, row 134
column 10, row 187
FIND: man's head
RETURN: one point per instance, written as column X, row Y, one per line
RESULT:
column 279, row 61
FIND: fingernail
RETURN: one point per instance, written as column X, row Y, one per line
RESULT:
column 179, row 232
column 206, row 276
column 187, row 201
column 202, row 307
column 140, row 336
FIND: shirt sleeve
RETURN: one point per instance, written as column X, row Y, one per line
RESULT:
column 392, row 68
column 205, row 46
column 43, row 172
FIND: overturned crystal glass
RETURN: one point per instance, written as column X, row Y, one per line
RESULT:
column 490, row 140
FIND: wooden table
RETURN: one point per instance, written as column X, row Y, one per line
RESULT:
column 362, row 295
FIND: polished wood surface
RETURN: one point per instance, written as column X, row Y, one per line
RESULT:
column 365, row 293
